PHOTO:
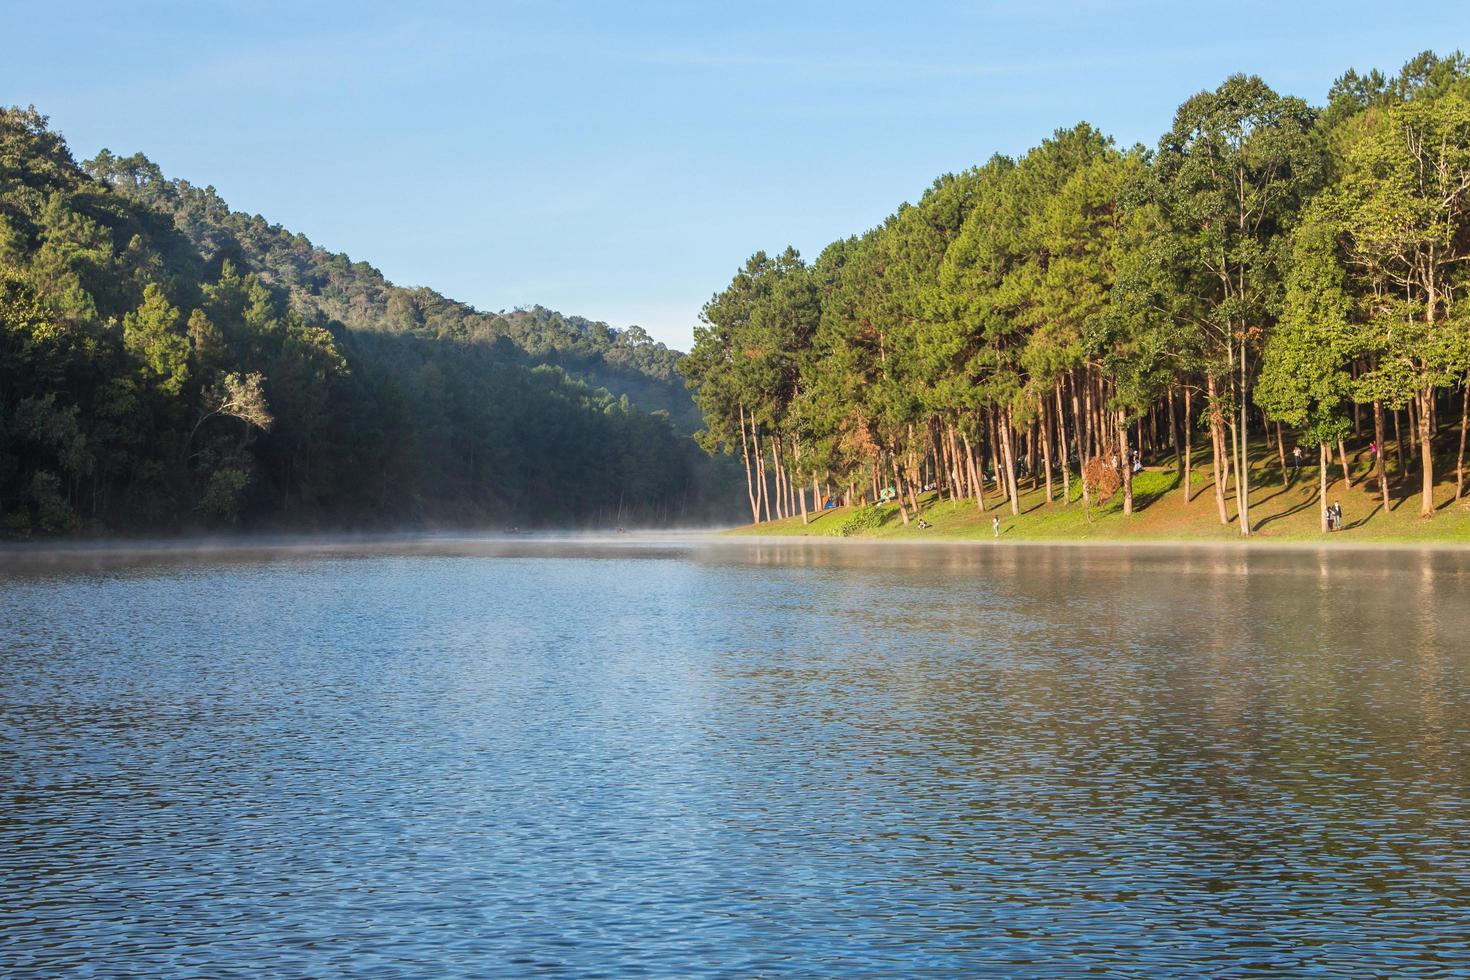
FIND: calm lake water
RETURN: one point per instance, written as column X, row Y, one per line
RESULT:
column 689, row 758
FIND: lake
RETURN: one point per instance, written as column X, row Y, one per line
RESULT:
column 696, row 757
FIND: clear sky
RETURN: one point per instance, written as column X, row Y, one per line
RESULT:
column 619, row 160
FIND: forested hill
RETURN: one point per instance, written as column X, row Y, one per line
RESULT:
column 325, row 287
column 168, row 365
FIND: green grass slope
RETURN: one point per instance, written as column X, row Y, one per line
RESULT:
column 1280, row 511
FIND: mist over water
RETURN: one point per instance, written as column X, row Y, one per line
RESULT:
column 682, row 756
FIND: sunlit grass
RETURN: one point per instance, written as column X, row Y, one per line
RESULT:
column 1278, row 512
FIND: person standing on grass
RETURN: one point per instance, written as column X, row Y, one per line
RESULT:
column 1296, row 460
column 995, row 523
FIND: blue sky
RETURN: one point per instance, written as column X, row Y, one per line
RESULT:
column 619, row 160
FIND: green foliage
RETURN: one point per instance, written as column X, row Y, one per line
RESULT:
column 1266, row 251
column 166, row 363
column 1403, row 209
column 1305, row 382
column 864, row 519
column 152, row 335
column 327, row 288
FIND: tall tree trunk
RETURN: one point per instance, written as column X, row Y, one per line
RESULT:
column 995, row 454
column 1379, row 466
column 784, row 504
column 1433, row 418
column 1062, row 447
column 903, row 511
column 958, row 486
column 755, row 512
column 1188, row 442
column 776, row 470
column 1416, row 447
column 977, row 479
column 1426, row 450
column 961, row 477
column 1046, row 448
column 1004, row 424
column 1078, row 428
column 1032, row 433
column 962, row 462
column 801, row 490
column 763, row 496
column 1324, row 460
column 1092, row 448
column 1460, row 459
column 1217, row 440
column 944, row 474
column 1233, row 459
column 1243, row 463
column 913, row 497
column 1281, row 452
column 1127, row 464
column 1347, row 474
column 1174, row 442
column 1398, row 446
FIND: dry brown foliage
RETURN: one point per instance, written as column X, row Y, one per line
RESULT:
column 1101, row 477
column 858, row 439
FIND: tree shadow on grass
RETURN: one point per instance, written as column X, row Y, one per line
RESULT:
column 1272, row 518
column 1198, row 487
column 1141, row 501
column 1277, row 493
column 1365, row 518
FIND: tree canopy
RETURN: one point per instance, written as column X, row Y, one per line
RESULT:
column 1268, row 263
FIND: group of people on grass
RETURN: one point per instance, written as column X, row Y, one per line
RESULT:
column 994, row 524
column 1334, row 509
column 1135, row 461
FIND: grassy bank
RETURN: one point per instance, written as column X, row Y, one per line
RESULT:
column 1280, row 510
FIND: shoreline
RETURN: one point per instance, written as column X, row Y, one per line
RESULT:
column 470, row 542
column 343, row 542
column 1284, row 513
column 1244, row 544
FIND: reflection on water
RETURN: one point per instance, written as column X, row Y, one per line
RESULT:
column 684, row 757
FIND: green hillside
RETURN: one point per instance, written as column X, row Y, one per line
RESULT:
column 327, row 287
column 167, row 364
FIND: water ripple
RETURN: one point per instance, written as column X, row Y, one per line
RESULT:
column 736, row 759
